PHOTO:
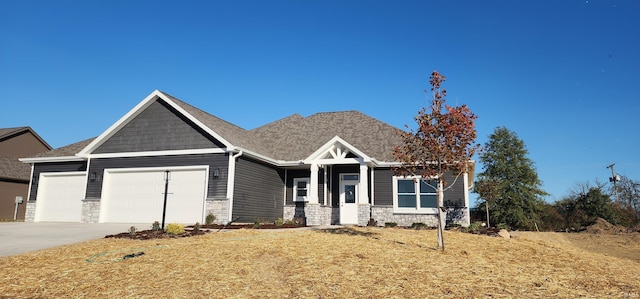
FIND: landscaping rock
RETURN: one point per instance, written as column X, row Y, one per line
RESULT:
column 504, row 233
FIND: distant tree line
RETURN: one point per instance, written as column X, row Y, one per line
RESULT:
column 511, row 193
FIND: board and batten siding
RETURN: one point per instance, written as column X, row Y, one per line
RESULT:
column 158, row 128
column 217, row 187
column 53, row 167
column 383, row 186
column 258, row 191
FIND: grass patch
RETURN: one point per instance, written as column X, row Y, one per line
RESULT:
column 346, row 263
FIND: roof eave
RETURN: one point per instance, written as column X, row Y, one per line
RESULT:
column 156, row 94
column 52, row 159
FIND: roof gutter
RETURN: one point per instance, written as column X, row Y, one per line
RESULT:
column 52, row 159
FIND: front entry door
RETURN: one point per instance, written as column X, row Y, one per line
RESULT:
column 349, row 198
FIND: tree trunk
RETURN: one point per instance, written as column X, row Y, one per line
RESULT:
column 441, row 215
column 486, row 205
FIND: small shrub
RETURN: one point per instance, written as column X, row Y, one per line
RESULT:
column 474, row 227
column 290, row 222
column 503, row 226
column 390, row 224
column 279, row 222
column 174, row 229
column 453, row 225
column 196, row 227
column 256, row 223
column 418, row 225
column 372, row 222
column 132, row 231
column 209, row 219
column 155, row 226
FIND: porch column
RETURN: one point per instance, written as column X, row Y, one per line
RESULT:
column 313, row 184
column 364, row 184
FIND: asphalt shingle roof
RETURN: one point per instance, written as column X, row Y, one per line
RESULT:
column 11, row 168
column 296, row 137
column 291, row 138
column 66, row 151
column 9, row 131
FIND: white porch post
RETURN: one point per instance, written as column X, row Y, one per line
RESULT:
column 324, row 199
column 313, row 184
column 364, row 184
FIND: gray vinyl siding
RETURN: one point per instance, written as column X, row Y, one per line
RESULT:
column 258, row 191
column 454, row 196
column 217, row 187
column 53, row 167
column 159, row 127
column 383, row 186
column 304, row 173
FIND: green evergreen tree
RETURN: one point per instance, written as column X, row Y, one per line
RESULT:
column 518, row 200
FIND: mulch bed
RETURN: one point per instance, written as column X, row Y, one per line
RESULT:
column 190, row 232
column 239, row 226
column 489, row 231
column 157, row 234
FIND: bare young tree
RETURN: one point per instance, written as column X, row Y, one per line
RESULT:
column 487, row 189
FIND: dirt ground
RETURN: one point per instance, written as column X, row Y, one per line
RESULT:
column 626, row 245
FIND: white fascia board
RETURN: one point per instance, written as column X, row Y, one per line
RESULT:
column 337, row 161
column 386, row 163
column 156, row 94
column 52, row 159
column 160, row 153
column 149, row 169
column 329, row 145
column 260, row 157
column 119, row 124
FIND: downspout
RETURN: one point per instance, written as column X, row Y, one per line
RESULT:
column 231, row 182
column 30, row 185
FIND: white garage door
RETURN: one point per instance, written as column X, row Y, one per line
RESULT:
column 137, row 195
column 59, row 196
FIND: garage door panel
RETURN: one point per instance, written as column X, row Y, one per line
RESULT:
column 59, row 197
column 138, row 196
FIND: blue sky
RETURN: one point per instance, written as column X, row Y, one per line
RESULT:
column 563, row 75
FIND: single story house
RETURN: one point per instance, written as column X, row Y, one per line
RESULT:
column 327, row 168
column 14, row 175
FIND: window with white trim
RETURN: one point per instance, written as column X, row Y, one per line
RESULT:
column 300, row 189
column 413, row 195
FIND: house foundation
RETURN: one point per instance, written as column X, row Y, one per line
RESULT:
column 90, row 211
column 30, row 212
column 219, row 208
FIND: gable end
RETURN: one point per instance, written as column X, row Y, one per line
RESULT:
column 158, row 128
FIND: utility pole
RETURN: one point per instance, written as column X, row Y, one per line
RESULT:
column 614, row 178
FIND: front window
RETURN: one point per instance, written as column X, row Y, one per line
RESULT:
column 300, row 189
column 413, row 195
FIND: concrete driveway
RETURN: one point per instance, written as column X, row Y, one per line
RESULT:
column 20, row 237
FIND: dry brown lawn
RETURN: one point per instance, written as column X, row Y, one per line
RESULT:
column 346, row 263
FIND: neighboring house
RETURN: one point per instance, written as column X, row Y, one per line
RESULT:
column 330, row 168
column 14, row 175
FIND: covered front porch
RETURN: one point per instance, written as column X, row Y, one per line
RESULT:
column 332, row 186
